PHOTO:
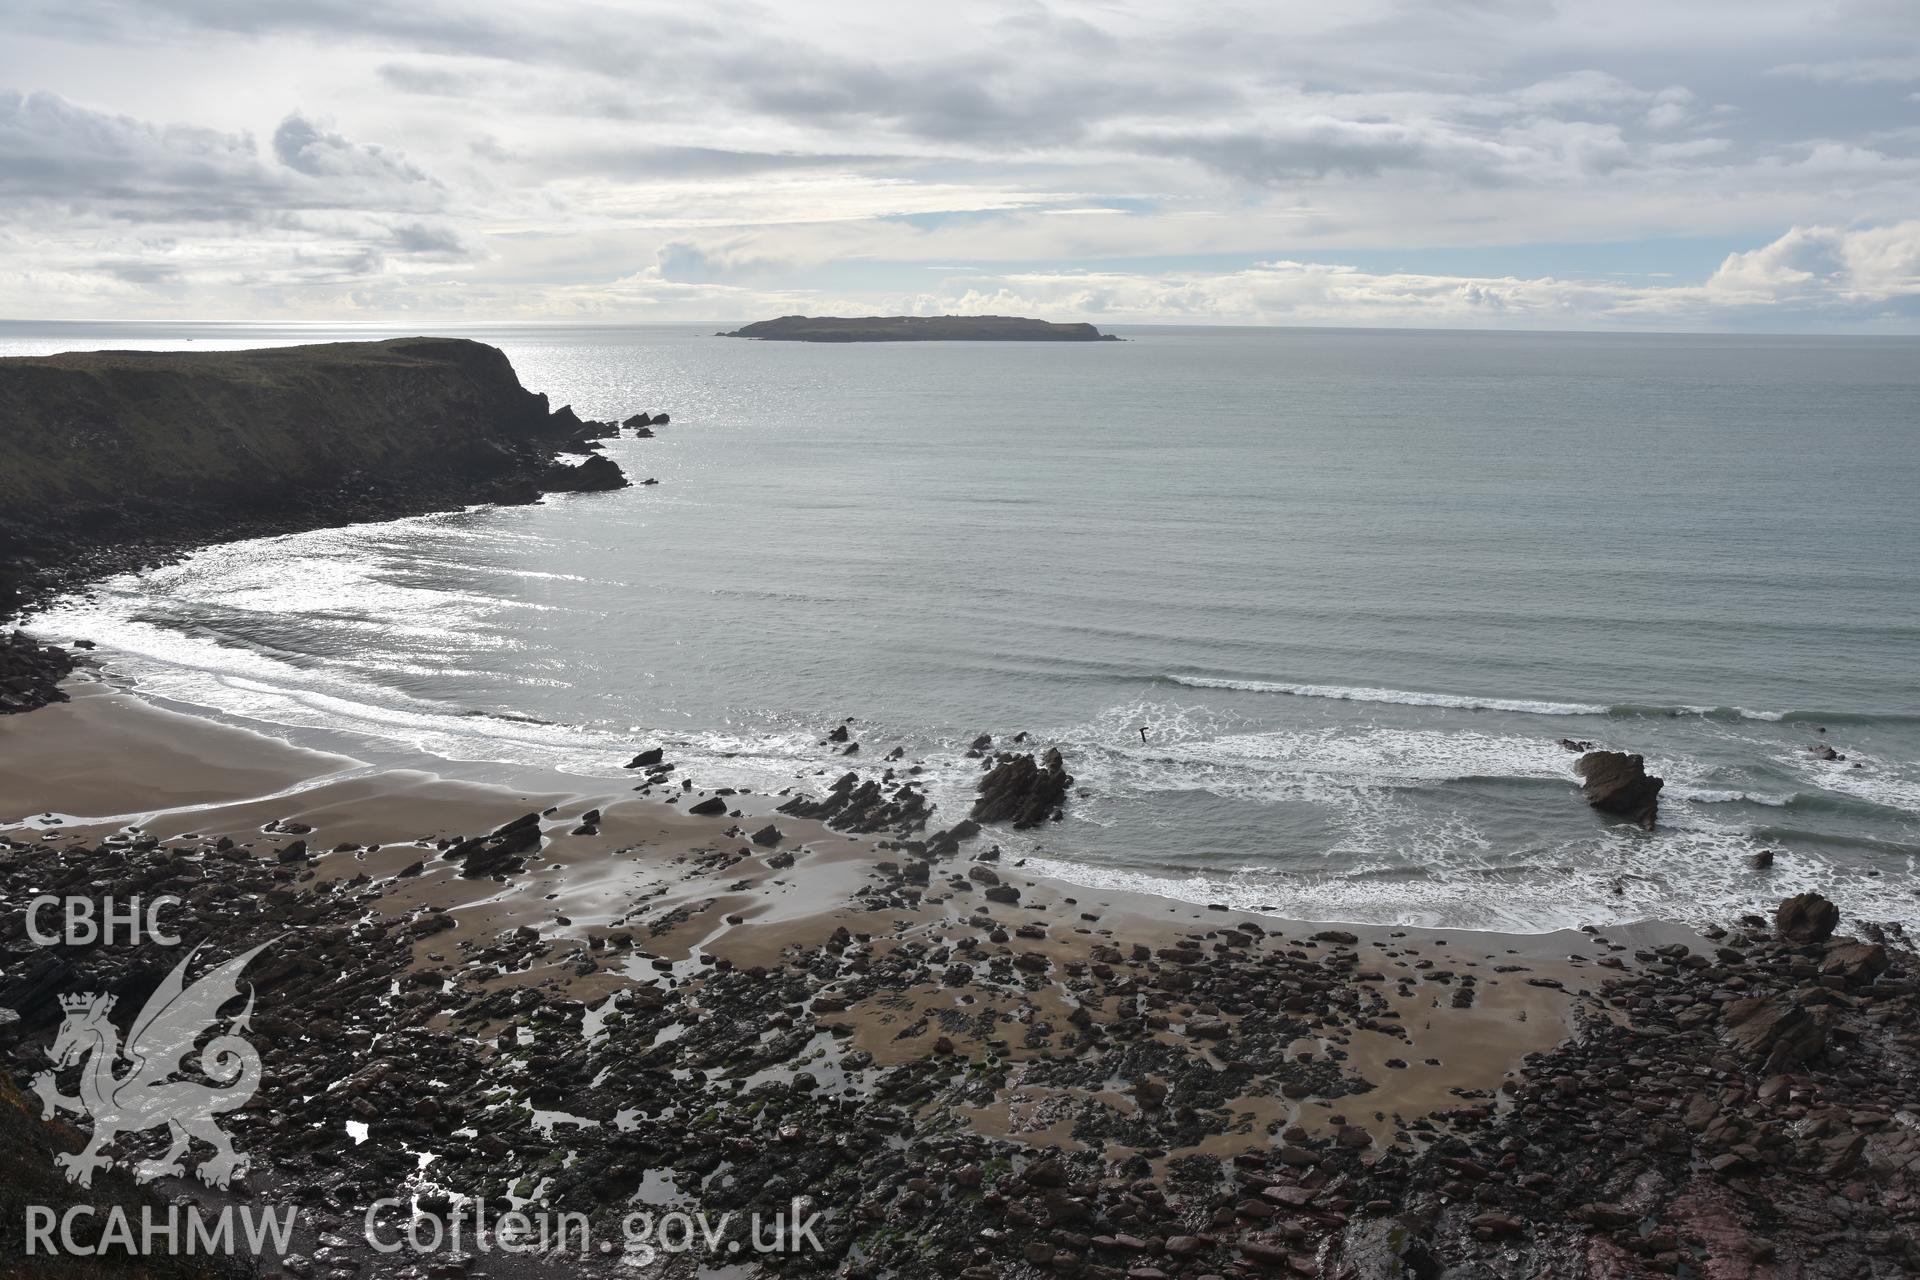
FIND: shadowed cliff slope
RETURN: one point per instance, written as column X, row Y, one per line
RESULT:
column 112, row 459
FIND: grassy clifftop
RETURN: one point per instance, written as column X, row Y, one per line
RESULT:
column 122, row 455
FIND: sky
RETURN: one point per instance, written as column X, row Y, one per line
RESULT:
column 1743, row 165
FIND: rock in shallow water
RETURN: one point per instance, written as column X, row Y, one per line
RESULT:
column 595, row 475
column 1023, row 792
column 1618, row 783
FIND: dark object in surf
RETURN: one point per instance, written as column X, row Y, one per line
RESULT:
column 1576, row 744
column 1822, row 751
column 711, row 806
column 1023, row 791
column 1617, row 783
column 651, row 756
column 1761, row 860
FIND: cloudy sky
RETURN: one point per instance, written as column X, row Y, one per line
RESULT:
column 1672, row 164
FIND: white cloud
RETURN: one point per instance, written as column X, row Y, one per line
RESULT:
column 1826, row 266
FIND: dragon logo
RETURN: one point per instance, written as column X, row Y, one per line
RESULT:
column 150, row 1093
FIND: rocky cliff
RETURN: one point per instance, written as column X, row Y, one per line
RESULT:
column 113, row 459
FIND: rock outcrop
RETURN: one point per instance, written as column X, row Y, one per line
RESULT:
column 30, row 673
column 1022, row 791
column 500, row 853
column 872, row 805
column 1617, row 783
column 595, row 475
column 114, row 460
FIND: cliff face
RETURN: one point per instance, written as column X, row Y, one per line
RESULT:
column 111, row 459
column 918, row 329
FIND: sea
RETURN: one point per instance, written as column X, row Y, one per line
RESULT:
column 1356, row 586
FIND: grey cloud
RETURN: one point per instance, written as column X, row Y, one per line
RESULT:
column 421, row 239
column 1320, row 147
column 701, row 162
column 438, row 81
column 52, row 150
column 141, row 272
column 300, row 144
column 693, row 262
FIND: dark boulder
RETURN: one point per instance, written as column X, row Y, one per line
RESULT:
column 1855, row 962
column 1618, row 784
column 709, row 807
column 1806, row 918
column 652, row 755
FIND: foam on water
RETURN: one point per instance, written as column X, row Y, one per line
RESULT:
column 1398, row 697
column 1695, row 875
column 1531, row 706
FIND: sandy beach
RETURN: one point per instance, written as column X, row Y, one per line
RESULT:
column 710, row 998
column 107, row 762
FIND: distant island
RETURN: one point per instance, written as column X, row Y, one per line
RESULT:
column 918, row 329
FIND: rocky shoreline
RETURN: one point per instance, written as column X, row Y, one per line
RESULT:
column 638, row 994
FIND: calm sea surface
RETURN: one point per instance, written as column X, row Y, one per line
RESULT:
column 1357, row 584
